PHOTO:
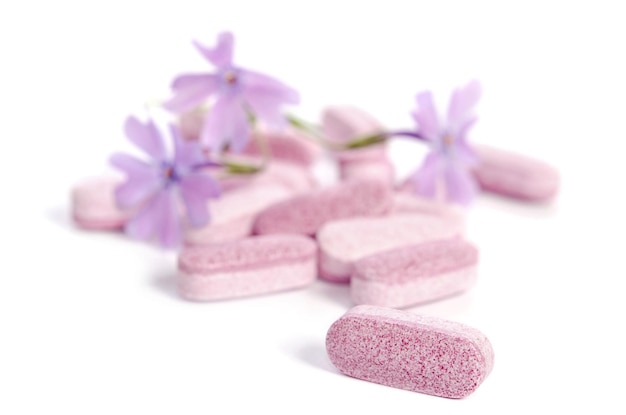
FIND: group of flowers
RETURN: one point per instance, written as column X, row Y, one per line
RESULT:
column 172, row 189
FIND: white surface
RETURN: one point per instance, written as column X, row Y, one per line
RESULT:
column 90, row 323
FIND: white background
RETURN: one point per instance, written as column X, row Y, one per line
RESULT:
column 91, row 324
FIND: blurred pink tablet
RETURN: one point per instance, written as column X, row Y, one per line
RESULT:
column 304, row 214
column 295, row 178
column 345, row 123
column 343, row 242
column 515, row 175
column 233, row 214
column 406, row 202
column 93, row 204
column 251, row 266
column 289, row 145
column 382, row 170
column 415, row 274
column 407, row 351
column 190, row 123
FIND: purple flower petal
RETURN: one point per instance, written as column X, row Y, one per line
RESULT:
column 265, row 96
column 222, row 54
column 168, row 229
column 257, row 84
column 142, row 181
column 146, row 137
column 195, row 80
column 426, row 117
column 158, row 218
column 461, row 105
column 268, row 109
column 144, row 224
column 427, row 176
column 186, row 153
column 134, row 191
column 227, row 122
column 463, row 151
column 132, row 166
column 460, row 184
column 190, row 91
column 196, row 189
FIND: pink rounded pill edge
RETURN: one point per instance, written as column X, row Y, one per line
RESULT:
column 515, row 175
column 415, row 274
column 251, row 266
column 306, row 213
column 407, row 351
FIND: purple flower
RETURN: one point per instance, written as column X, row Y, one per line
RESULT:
column 447, row 167
column 155, row 188
column 239, row 94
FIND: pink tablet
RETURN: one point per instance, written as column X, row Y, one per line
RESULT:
column 515, row 175
column 344, row 242
column 407, row 202
column 345, row 123
column 234, row 213
column 93, row 204
column 294, row 177
column 305, row 214
column 289, row 145
column 408, row 351
column 415, row 274
column 251, row 266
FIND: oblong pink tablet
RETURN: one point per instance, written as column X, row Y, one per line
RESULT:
column 251, row 266
column 294, row 177
column 190, row 123
column 342, row 243
column 382, row 170
column 93, row 204
column 233, row 214
column 371, row 153
column 305, row 214
column 407, row 202
column 407, row 351
column 345, row 123
column 415, row 274
column 288, row 146
column 515, row 175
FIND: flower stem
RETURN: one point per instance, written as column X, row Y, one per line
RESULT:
column 264, row 149
column 367, row 140
column 205, row 164
column 240, row 168
column 312, row 133
column 406, row 133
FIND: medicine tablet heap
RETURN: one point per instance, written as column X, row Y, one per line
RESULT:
column 279, row 230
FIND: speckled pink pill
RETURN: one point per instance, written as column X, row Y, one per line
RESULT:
column 415, row 274
column 343, row 242
column 233, row 214
column 305, row 214
column 408, row 351
column 514, row 175
column 93, row 204
column 251, row 266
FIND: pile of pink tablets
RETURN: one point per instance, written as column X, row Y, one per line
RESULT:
column 278, row 230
